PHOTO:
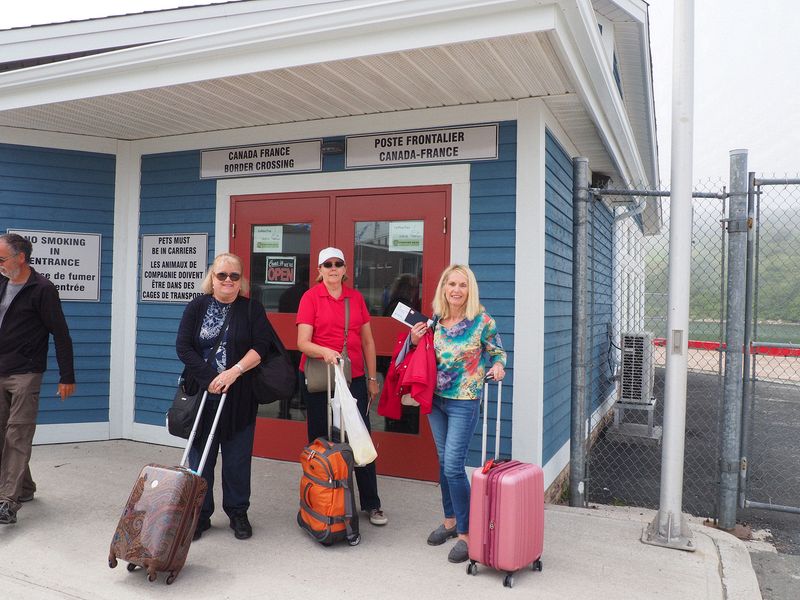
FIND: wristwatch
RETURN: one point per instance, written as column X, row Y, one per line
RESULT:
column 372, row 379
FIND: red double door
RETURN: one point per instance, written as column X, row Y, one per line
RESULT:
column 396, row 243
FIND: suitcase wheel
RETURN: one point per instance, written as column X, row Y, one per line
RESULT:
column 151, row 576
column 131, row 567
column 171, row 577
column 537, row 565
column 354, row 539
column 508, row 581
column 112, row 561
column 472, row 568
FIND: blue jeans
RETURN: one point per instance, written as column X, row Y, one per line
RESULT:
column 453, row 423
column 237, row 454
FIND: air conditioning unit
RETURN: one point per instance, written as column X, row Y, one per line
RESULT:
column 638, row 368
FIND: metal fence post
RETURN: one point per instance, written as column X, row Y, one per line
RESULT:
column 747, row 380
column 730, row 439
column 577, row 451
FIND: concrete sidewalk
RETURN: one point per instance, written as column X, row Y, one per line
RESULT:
column 59, row 547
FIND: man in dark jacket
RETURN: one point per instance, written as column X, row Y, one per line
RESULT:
column 30, row 310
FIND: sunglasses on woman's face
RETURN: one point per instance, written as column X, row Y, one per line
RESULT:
column 223, row 276
column 333, row 263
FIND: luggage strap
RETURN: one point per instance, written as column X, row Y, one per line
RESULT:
column 328, row 483
column 322, row 518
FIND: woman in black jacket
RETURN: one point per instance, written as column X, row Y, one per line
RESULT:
column 244, row 343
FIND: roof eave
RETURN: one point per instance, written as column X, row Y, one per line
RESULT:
column 382, row 27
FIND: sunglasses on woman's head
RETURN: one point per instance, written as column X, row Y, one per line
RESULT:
column 223, row 276
column 333, row 263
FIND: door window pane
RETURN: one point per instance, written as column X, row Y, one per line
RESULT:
column 279, row 265
column 388, row 264
column 279, row 272
column 388, row 269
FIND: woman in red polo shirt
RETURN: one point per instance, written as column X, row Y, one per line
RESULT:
column 320, row 334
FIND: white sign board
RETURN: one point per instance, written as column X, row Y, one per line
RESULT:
column 289, row 157
column 173, row 267
column 268, row 238
column 70, row 260
column 406, row 236
column 477, row 142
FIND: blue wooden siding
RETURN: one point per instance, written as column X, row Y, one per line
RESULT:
column 601, row 226
column 62, row 190
column 492, row 244
column 557, row 297
column 173, row 200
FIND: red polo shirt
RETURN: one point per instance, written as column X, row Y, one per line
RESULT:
column 326, row 315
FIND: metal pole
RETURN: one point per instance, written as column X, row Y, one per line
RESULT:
column 669, row 527
column 577, row 451
column 721, row 292
column 757, row 252
column 730, row 435
column 747, row 382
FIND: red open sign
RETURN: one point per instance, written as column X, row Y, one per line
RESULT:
column 281, row 270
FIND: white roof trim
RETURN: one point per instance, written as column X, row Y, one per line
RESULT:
column 382, row 27
column 599, row 90
column 150, row 27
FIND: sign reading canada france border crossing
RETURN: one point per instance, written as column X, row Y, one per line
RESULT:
column 450, row 144
column 70, row 260
column 267, row 159
column 173, row 267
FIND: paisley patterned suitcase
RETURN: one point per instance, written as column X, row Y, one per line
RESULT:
column 159, row 519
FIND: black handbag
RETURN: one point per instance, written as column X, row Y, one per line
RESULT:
column 183, row 412
column 275, row 378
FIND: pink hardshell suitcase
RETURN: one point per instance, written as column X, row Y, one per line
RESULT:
column 506, row 516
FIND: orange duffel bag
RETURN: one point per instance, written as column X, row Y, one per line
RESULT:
column 327, row 503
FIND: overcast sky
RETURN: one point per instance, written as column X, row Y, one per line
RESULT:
column 746, row 85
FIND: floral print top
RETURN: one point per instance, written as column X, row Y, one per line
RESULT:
column 463, row 353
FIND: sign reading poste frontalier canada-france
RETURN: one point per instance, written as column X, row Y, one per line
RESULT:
column 70, row 260
column 478, row 142
column 267, row 159
column 173, row 267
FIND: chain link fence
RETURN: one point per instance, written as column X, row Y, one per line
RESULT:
column 624, row 462
column 772, row 395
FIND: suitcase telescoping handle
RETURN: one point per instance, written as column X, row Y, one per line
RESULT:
column 485, row 418
column 212, row 433
column 330, row 408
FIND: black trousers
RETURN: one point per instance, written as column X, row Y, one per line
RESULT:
column 317, row 422
column 237, row 455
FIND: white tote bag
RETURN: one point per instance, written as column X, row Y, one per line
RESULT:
column 357, row 435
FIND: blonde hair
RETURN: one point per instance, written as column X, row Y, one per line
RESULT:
column 440, row 304
column 207, row 286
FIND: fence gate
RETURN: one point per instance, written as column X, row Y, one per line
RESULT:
column 771, row 405
column 624, row 461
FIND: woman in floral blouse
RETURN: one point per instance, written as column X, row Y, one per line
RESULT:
column 468, row 349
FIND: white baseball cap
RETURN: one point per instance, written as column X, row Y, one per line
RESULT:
column 329, row 253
